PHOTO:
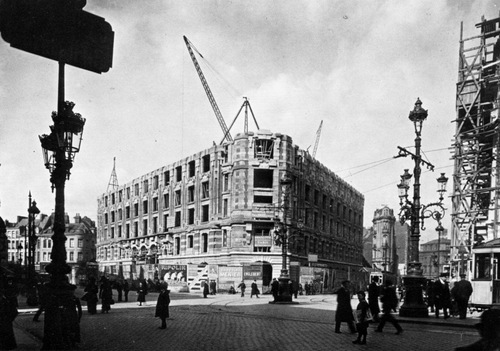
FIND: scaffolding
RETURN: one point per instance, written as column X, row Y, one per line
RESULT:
column 476, row 178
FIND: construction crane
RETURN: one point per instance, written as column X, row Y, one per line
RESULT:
column 113, row 180
column 318, row 134
column 246, row 105
column 210, row 96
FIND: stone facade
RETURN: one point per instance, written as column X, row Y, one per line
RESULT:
column 80, row 245
column 220, row 207
column 435, row 256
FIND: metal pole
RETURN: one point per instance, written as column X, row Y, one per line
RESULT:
column 415, row 222
column 439, row 252
column 60, row 290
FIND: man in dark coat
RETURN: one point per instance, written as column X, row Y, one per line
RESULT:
column 119, row 290
column 442, row 297
column 275, row 286
column 389, row 302
column 106, row 295
column 205, row 289
column 461, row 292
column 126, row 289
column 344, row 309
column 213, row 287
column 373, row 295
column 242, row 288
column 162, row 305
column 254, row 289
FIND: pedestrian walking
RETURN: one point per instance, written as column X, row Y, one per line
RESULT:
column 205, row 289
column 242, row 288
column 106, row 295
column 295, row 288
column 373, row 298
column 213, row 287
column 141, row 293
column 442, row 296
column 430, row 295
column 461, row 292
column 91, row 296
column 363, row 317
column 389, row 300
column 275, row 286
column 489, row 330
column 119, row 290
column 255, row 290
column 344, row 308
column 126, row 289
column 8, row 312
column 162, row 305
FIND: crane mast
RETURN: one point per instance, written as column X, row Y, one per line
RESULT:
column 210, row 96
column 318, row 134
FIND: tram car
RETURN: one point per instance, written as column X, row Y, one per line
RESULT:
column 485, row 278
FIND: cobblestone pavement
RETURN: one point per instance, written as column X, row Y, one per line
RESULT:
column 228, row 322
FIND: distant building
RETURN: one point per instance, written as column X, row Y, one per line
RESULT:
column 435, row 256
column 384, row 256
column 385, row 244
column 214, row 216
column 80, row 245
column 368, row 245
column 16, row 240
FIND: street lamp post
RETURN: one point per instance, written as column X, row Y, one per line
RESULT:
column 59, row 149
column 31, row 244
column 439, row 230
column 282, row 236
column 414, row 281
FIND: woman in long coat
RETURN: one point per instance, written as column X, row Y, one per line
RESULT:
column 344, row 309
column 141, row 293
column 162, row 305
column 91, row 291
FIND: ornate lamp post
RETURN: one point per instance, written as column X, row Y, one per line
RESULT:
column 33, row 211
column 282, row 236
column 59, row 150
column 412, row 210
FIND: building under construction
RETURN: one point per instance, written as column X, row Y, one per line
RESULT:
column 476, row 188
column 212, row 216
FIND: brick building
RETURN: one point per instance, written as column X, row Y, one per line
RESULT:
column 213, row 216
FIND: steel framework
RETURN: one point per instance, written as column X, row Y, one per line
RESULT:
column 476, row 177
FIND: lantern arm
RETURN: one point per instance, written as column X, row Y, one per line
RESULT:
column 433, row 210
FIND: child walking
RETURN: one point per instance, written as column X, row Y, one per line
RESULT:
column 362, row 318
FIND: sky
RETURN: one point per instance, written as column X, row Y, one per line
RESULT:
column 358, row 66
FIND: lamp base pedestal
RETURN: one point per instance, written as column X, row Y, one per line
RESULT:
column 284, row 296
column 62, row 324
column 414, row 282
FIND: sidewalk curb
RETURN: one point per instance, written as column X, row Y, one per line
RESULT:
column 26, row 340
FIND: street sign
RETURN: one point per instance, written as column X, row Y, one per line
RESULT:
column 58, row 30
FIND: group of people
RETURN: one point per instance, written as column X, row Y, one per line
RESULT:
column 254, row 289
column 369, row 311
column 104, row 292
column 454, row 300
column 366, row 312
